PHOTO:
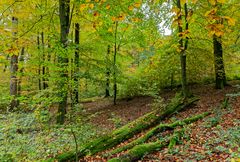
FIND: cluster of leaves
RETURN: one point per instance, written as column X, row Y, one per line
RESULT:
column 145, row 53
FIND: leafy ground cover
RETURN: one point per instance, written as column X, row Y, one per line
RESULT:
column 24, row 138
column 215, row 138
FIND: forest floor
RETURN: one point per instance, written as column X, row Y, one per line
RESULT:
column 30, row 136
column 215, row 138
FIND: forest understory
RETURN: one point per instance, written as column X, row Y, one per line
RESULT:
column 215, row 138
column 119, row 80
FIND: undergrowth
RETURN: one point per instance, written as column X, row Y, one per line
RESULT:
column 24, row 138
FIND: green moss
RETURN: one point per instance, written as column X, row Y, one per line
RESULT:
column 118, row 160
column 66, row 156
column 139, row 151
column 128, row 131
column 158, row 129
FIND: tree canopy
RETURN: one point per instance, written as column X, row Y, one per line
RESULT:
column 56, row 55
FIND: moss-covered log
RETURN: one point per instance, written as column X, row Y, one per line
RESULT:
column 156, row 130
column 137, row 152
column 128, row 131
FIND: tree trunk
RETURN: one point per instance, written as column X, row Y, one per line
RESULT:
column 129, row 130
column 183, row 47
column 21, row 59
column 137, row 147
column 115, row 66
column 107, row 92
column 158, row 129
column 48, row 62
column 39, row 64
column 64, row 15
column 219, row 64
column 76, row 71
column 44, row 79
column 183, row 59
column 14, row 68
column 14, row 82
column 139, row 151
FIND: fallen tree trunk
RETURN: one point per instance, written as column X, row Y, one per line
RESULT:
column 137, row 152
column 128, row 131
column 156, row 130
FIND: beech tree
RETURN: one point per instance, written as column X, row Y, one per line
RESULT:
column 14, row 67
column 216, row 28
column 65, row 60
column 183, row 43
column 77, row 41
column 64, row 15
column 108, row 72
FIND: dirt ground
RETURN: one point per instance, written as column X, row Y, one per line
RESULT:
column 104, row 112
column 109, row 116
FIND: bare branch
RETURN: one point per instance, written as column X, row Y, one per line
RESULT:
column 7, row 9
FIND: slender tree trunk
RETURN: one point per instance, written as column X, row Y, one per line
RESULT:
column 48, row 62
column 86, row 85
column 219, row 64
column 45, row 85
column 21, row 60
column 76, row 71
column 13, row 82
column 115, row 66
column 72, row 68
column 39, row 66
column 183, row 47
column 64, row 15
column 107, row 92
column 184, row 74
column 14, row 68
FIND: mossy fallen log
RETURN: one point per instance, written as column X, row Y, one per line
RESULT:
column 137, row 152
column 156, row 130
column 128, row 131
